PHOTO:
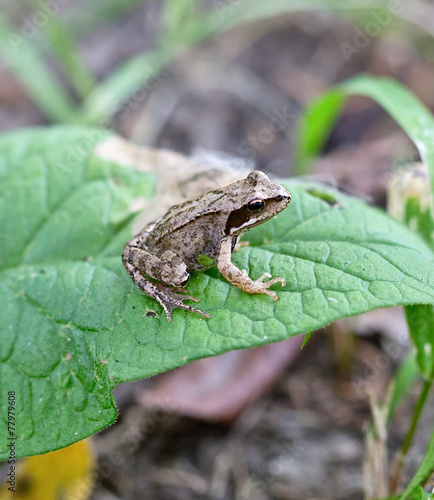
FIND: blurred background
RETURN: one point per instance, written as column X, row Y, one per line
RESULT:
column 231, row 77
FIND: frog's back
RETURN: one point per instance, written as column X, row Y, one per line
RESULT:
column 189, row 211
column 197, row 237
column 198, row 226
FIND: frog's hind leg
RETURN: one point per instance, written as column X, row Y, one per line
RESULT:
column 168, row 298
column 169, row 269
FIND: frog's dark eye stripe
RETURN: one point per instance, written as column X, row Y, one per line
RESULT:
column 256, row 206
column 237, row 219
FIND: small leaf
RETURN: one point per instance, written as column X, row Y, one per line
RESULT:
column 322, row 195
column 306, row 339
column 420, row 321
column 404, row 378
column 205, row 260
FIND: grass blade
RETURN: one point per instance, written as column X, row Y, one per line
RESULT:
column 107, row 97
column 27, row 65
column 98, row 13
column 63, row 47
column 314, row 128
column 424, row 470
column 183, row 27
column 403, row 380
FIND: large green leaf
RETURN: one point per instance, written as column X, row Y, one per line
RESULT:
column 418, row 122
column 72, row 324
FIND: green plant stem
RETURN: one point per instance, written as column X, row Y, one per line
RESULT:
column 408, row 439
column 416, row 415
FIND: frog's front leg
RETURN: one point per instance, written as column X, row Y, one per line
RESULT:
column 169, row 269
column 240, row 278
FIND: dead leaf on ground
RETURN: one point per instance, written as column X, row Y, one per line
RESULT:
column 219, row 388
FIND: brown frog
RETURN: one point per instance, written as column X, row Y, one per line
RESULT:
column 200, row 233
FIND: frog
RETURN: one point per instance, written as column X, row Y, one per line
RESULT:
column 200, row 233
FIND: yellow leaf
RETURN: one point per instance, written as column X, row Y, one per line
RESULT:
column 66, row 473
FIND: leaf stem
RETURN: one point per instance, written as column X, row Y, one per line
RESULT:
column 426, row 387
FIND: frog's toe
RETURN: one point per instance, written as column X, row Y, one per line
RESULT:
column 181, row 305
column 271, row 294
column 261, row 279
column 271, row 280
column 171, row 299
column 276, row 280
column 183, row 297
column 188, row 297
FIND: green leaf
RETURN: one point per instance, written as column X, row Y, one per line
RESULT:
column 419, row 219
column 420, row 318
column 314, row 128
column 420, row 321
column 421, row 494
column 414, row 118
column 403, row 380
column 418, row 494
column 424, row 470
column 306, row 339
column 73, row 324
column 60, row 207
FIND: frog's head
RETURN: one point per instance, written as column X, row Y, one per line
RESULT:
column 259, row 199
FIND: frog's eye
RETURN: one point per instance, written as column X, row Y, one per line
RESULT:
column 256, row 206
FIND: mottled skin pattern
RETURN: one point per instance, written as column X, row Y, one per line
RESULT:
column 201, row 233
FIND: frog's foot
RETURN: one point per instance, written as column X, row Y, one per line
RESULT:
column 170, row 299
column 241, row 278
column 263, row 286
